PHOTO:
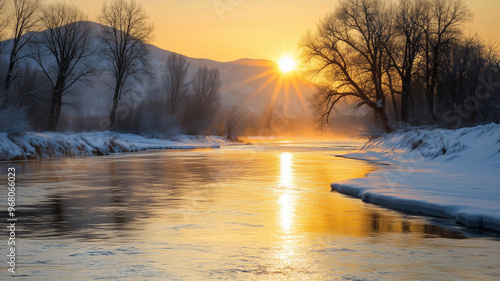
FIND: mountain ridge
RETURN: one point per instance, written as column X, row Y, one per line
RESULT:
column 245, row 82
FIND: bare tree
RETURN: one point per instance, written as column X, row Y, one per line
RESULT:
column 442, row 27
column 125, row 35
column 25, row 21
column 4, row 21
column 346, row 56
column 368, row 50
column 403, row 52
column 467, row 61
column 273, row 119
column 201, row 107
column 63, row 51
column 176, row 81
column 32, row 92
column 232, row 122
column 206, row 90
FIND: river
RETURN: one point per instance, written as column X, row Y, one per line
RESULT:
column 245, row 212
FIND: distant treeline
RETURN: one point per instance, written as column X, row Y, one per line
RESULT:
column 53, row 47
column 407, row 61
column 51, row 53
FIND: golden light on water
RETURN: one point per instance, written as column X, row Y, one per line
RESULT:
column 202, row 204
column 287, row 198
column 286, row 172
column 286, row 212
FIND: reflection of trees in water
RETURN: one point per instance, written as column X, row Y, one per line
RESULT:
column 375, row 221
column 381, row 224
column 80, row 216
column 114, row 195
column 100, row 196
column 405, row 226
column 347, row 216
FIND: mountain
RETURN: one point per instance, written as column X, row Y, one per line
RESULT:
column 242, row 82
column 245, row 82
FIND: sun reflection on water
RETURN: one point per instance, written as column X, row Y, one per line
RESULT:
column 286, row 172
column 286, row 198
column 202, row 215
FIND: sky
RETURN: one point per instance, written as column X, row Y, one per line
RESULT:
column 227, row 30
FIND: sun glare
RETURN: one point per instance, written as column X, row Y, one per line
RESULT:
column 286, row 76
column 286, row 64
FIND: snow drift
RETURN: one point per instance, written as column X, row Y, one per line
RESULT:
column 51, row 145
column 446, row 173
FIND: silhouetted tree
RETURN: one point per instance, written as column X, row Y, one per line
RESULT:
column 469, row 62
column 63, row 52
column 125, row 35
column 25, row 21
column 371, row 50
column 347, row 57
column 201, row 106
column 232, row 122
column 403, row 51
column 32, row 91
column 442, row 26
column 176, row 85
column 4, row 21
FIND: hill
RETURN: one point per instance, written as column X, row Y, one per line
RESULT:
column 250, row 83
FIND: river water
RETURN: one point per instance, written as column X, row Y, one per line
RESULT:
column 247, row 212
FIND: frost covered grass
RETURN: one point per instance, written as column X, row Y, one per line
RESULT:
column 51, row 145
column 13, row 120
column 446, row 173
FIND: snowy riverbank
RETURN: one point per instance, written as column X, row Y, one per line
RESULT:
column 52, row 145
column 446, row 173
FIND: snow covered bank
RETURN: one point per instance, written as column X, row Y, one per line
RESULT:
column 446, row 173
column 50, row 144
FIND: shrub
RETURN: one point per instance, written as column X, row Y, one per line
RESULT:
column 14, row 120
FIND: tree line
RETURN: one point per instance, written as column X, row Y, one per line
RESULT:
column 52, row 48
column 409, row 62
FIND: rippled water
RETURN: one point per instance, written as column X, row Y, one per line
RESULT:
column 256, row 212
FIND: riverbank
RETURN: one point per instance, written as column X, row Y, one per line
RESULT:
column 446, row 173
column 53, row 144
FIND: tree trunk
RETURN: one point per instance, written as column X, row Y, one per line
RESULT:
column 406, row 100
column 432, row 94
column 405, row 107
column 430, row 103
column 385, row 120
column 13, row 54
column 55, row 110
column 116, row 98
column 395, row 106
column 8, row 77
column 52, row 113
column 56, row 104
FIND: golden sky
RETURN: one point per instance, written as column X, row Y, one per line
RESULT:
column 260, row 29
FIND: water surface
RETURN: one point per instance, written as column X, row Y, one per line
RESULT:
column 256, row 212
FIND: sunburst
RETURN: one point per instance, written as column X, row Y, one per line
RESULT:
column 286, row 75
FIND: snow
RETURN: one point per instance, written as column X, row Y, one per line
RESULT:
column 445, row 173
column 53, row 144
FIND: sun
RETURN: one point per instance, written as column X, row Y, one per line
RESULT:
column 285, row 73
column 286, row 64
